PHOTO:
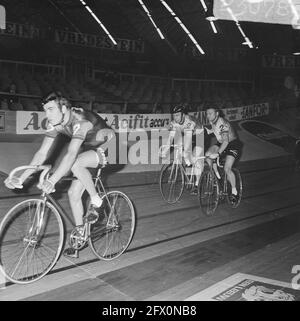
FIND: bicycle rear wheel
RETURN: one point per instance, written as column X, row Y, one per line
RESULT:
column 31, row 239
column 208, row 192
column 239, row 187
column 171, row 182
column 111, row 235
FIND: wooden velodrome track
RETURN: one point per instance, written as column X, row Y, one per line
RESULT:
column 177, row 251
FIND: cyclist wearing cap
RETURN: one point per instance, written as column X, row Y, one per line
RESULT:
column 228, row 146
column 87, row 131
column 183, row 129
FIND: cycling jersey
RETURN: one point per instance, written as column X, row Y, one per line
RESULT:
column 83, row 124
column 189, row 123
column 222, row 126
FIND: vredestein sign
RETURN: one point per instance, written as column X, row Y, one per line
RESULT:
column 87, row 40
column 280, row 61
column 72, row 38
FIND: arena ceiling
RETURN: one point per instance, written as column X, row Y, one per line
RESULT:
column 126, row 19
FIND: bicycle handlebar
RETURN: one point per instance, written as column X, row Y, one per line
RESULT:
column 44, row 168
column 197, row 158
column 169, row 146
column 206, row 157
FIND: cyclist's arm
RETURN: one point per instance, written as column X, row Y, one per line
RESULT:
column 209, row 131
column 80, row 131
column 225, row 139
column 188, row 135
column 187, row 139
column 171, row 137
column 172, row 132
column 39, row 157
column 67, row 161
column 105, row 135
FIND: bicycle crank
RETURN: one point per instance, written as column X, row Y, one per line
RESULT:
column 77, row 241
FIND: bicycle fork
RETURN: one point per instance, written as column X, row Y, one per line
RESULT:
column 35, row 230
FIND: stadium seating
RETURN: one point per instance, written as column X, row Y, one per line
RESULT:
column 141, row 93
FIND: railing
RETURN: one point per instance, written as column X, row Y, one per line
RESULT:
column 172, row 81
column 49, row 68
column 33, row 103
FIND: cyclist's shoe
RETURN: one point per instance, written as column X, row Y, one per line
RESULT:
column 233, row 198
column 71, row 252
column 93, row 214
column 194, row 191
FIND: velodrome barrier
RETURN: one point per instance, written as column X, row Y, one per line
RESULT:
column 21, row 133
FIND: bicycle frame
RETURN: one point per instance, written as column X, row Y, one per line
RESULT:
column 189, row 176
column 225, row 182
column 47, row 197
column 101, row 191
column 224, row 185
column 178, row 156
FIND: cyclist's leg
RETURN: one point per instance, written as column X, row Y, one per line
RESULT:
column 198, row 165
column 212, row 150
column 232, row 152
column 230, row 175
column 85, row 160
column 187, row 147
column 75, row 193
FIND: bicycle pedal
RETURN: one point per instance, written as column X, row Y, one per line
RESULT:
column 77, row 245
column 91, row 218
column 71, row 252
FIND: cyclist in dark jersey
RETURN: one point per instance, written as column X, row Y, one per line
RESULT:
column 86, row 129
column 228, row 146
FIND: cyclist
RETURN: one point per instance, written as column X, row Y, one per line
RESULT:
column 185, row 124
column 228, row 146
column 87, row 131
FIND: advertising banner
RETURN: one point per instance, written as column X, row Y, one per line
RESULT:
column 280, row 61
column 247, row 287
column 87, row 40
column 35, row 122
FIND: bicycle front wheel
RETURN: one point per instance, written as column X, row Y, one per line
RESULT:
column 171, row 182
column 111, row 235
column 31, row 239
column 208, row 192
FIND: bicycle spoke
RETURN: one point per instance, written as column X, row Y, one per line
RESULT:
column 27, row 258
column 171, row 182
column 21, row 258
column 208, row 193
column 112, row 240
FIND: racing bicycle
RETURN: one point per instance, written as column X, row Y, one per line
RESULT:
column 32, row 233
column 211, row 190
column 174, row 177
